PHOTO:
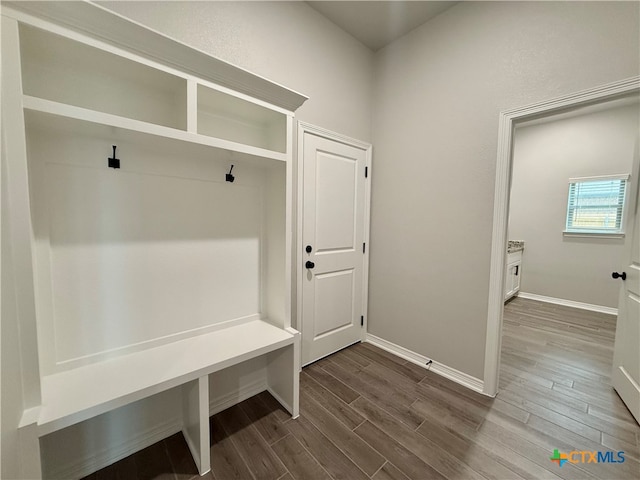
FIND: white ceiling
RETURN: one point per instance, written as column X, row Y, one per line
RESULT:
column 377, row 24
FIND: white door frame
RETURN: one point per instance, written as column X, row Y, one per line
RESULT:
column 303, row 128
column 508, row 120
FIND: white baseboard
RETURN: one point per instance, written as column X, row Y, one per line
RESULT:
column 569, row 303
column 81, row 467
column 218, row 404
column 452, row 374
column 285, row 405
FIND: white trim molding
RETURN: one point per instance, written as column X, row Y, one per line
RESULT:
column 86, row 464
column 452, row 374
column 569, row 303
column 222, row 402
column 577, row 234
column 507, row 122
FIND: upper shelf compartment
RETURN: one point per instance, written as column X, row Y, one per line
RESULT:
column 69, row 72
column 99, row 22
column 231, row 118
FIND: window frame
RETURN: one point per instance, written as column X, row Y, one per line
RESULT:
column 571, row 231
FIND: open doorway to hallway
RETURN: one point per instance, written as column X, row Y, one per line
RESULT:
column 558, row 330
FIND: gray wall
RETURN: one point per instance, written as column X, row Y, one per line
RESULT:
column 545, row 157
column 437, row 97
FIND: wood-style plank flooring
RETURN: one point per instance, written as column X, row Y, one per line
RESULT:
column 366, row 414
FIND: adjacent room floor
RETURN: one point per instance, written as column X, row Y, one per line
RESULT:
column 368, row 414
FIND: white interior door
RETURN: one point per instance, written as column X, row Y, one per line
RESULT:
column 333, row 255
column 626, row 356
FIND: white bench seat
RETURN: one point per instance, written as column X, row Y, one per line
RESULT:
column 76, row 395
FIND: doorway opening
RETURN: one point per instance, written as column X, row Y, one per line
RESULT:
column 508, row 121
column 569, row 206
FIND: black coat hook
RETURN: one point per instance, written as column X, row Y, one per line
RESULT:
column 114, row 162
column 228, row 177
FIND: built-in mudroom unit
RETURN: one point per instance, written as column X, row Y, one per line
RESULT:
column 150, row 225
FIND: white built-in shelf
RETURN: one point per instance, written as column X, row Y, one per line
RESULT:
column 75, row 395
column 64, row 111
column 65, row 77
column 62, row 70
column 232, row 118
column 153, row 274
column 103, row 23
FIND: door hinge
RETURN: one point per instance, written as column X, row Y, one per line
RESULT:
column 364, row 247
column 362, row 320
column 366, row 172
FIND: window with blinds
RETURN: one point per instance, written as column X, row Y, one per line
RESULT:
column 596, row 204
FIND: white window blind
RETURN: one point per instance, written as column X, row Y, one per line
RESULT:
column 596, row 204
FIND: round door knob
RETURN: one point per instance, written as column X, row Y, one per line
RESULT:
column 622, row 275
column 309, row 264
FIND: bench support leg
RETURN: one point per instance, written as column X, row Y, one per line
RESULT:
column 30, row 462
column 283, row 375
column 195, row 406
